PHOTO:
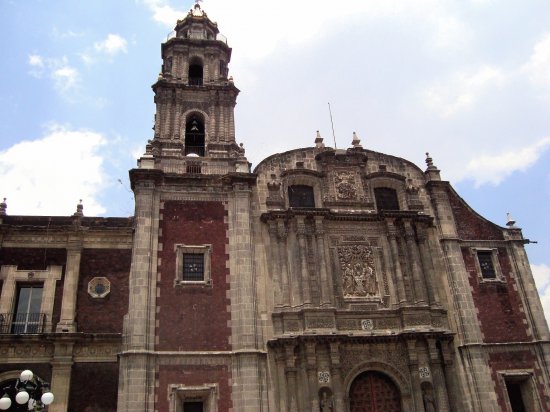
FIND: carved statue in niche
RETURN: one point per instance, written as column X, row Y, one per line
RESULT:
column 428, row 397
column 345, row 185
column 326, row 403
column 358, row 272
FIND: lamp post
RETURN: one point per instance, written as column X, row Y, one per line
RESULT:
column 28, row 390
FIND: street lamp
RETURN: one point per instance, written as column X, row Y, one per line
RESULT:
column 28, row 389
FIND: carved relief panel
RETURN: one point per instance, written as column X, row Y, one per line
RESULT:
column 344, row 186
column 358, row 271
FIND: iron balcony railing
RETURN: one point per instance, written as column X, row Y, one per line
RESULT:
column 22, row 323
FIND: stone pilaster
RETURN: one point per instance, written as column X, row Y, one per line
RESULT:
column 326, row 296
column 281, row 381
column 283, row 260
column 419, row 286
column 311, row 367
column 415, row 378
column 70, row 285
column 275, row 267
column 392, row 239
column 304, row 273
column 291, row 383
column 427, row 265
column 438, row 378
column 336, row 376
column 61, row 375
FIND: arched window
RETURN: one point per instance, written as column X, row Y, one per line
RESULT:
column 301, row 196
column 194, row 136
column 386, row 198
column 195, row 73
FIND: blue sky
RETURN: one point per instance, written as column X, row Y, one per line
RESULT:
column 466, row 80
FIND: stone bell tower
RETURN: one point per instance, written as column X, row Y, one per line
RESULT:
column 195, row 101
column 191, row 341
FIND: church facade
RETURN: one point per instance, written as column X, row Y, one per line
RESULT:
column 325, row 279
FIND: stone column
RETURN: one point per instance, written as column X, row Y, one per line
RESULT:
column 419, row 286
column 415, row 378
column 275, row 268
column 312, row 375
column 70, row 286
column 290, row 371
column 427, row 264
column 283, row 260
column 392, row 239
column 438, row 378
column 304, row 273
column 61, row 376
column 280, row 373
column 324, row 279
column 336, row 376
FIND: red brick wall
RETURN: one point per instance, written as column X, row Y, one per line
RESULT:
column 498, row 304
column 507, row 361
column 469, row 224
column 193, row 317
column 103, row 315
column 194, row 376
column 94, row 387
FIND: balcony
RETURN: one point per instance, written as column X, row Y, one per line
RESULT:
column 22, row 323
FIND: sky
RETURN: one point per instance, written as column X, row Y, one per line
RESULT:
column 466, row 80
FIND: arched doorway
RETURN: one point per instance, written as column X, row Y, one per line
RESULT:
column 374, row 392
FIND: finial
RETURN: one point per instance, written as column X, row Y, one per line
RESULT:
column 510, row 222
column 319, row 141
column 79, row 209
column 356, row 142
column 430, row 162
column 3, row 207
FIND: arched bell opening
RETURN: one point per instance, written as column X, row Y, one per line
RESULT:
column 195, row 73
column 194, row 136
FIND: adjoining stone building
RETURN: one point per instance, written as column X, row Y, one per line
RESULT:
column 324, row 280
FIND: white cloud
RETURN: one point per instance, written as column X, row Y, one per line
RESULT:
column 538, row 67
column 541, row 273
column 36, row 60
column 462, row 90
column 65, row 78
column 164, row 13
column 256, row 26
column 494, row 169
column 112, row 45
column 49, row 175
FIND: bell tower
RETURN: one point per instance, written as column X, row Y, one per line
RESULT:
column 194, row 128
column 191, row 339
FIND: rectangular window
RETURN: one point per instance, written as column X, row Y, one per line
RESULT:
column 301, row 196
column 193, row 267
column 193, row 406
column 485, row 259
column 386, row 198
column 27, row 317
column 515, row 397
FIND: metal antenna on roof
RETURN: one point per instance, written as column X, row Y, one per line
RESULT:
column 332, row 123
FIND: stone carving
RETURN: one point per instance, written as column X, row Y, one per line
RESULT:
column 292, row 326
column 345, row 185
column 354, row 238
column 424, row 372
column 388, row 323
column 326, row 403
column 419, row 320
column 320, row 323
column 358, row 271
column 390, row 353
column 367, row 324
column 323, row 376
